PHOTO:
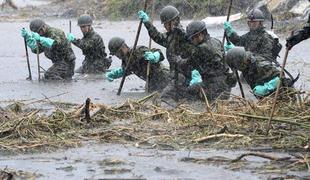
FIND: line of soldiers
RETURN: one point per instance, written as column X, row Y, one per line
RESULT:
column 197, row 67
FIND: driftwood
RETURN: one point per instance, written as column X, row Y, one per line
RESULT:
column 262, row 155
column 211, row 137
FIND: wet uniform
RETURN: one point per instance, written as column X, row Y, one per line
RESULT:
column 259, row 42
column 93, row 48
column 170, row 40
column 207, row 58
column 159, row 76
column 61, row 55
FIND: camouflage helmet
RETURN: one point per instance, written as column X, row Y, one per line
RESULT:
column 85, row 20
column 36, row 25
column 256, row 15
column 194, row 28
column 168, row 13
column 235, row 58
column 114, row 44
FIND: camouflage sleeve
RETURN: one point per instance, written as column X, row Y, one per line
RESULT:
column 159, row 38
column 236, row 39
column 266, row 71
column 59, row 38
column 41, row 49
column 87, row 44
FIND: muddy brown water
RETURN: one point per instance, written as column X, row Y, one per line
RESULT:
column 82, row 162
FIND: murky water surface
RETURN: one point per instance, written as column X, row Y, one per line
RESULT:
column 83, row 162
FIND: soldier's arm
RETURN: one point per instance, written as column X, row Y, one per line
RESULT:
column 159, row 38
column 236, row 39
column 41, row 49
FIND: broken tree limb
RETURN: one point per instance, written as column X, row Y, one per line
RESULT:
column 262, row 155
column 215, row 136
column 87, row 115
column 287, row 121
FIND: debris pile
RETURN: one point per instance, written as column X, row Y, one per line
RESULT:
column 236, row 123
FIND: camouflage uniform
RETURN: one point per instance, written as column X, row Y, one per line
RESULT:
column 93, row 48
column 159, row 76
column 255, row 69
column 61, row 55
column 207, row 58
column 170, row 40
column 259, row 42
column 259, row 71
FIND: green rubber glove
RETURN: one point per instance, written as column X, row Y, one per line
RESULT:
column 44, row 41
column 229, row 46
column 153, row 57
column 26, row 34
column 30, row 41
column 267, row 88
column 228, row 28
column 114, row 74
column 143, row 16
column 196, row 78
column 70, row 37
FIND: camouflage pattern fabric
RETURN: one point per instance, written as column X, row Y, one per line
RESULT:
column 258, row 42
column 172, row 41
column 92, row 46
column 159, row 76
column 207, row 58
column 259, row 71
column 61, row 55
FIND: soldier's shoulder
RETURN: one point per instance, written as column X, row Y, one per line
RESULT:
column 55, row 30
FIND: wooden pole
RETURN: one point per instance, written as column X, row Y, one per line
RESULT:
column 38, row 62
column 223, row 44
column 147, row 85
column 28, row 63
column 278, row 90
column 130, row 57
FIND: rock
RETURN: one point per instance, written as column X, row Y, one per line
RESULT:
column 301, row 8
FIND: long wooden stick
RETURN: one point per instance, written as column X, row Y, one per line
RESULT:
column 70, row 26
column 223, row 44
column 227, row 19
column 278, row 90
column 28, row 63
column 130, row 57
column 147, row 85
column 38, row 61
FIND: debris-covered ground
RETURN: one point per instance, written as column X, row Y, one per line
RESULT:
column 234, row 124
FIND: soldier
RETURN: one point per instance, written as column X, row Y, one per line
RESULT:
column 56, row 47
column 258, row 41
column 299, row 35
column 173, row 38
column 206, row 56
column 261, row 75
column 93, row 48
column 159, row 75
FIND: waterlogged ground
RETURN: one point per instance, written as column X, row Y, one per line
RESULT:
column 92, row 161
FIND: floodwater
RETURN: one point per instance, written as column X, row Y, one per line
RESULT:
column 83, row 162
